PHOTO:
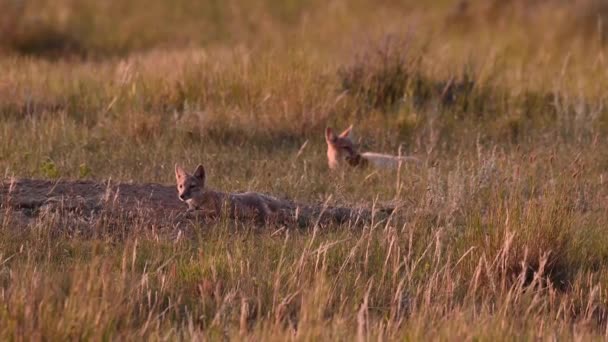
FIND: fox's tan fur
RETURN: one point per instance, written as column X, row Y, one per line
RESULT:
column 341, row 148
column 247, row 205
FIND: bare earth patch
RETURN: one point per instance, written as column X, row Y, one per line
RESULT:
column 26, row 199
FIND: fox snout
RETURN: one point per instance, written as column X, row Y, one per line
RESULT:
column 183, row 197
column 185, row 192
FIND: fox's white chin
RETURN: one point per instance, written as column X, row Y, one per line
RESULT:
column 191, row 204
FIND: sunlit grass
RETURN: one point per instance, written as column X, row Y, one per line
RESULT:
column 500, row 231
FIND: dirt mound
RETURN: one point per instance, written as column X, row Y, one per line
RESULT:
column 26, row 199
column 31, row 194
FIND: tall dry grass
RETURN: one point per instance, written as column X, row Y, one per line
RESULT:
column 500, row 232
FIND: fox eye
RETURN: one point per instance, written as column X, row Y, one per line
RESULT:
column 181, row 186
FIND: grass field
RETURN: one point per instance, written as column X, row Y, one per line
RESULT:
column 503, row 230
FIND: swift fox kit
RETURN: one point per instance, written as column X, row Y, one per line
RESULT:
column 249, row 205
column 259, row 207
column 341, row 148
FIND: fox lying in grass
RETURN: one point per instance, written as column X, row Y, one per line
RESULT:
column 342, row 148
column 259, row 207
column 247, row 205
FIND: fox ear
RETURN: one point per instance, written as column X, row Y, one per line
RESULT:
column 346, row 132
column 179, row 172
column 199, row 173
column 329, row 135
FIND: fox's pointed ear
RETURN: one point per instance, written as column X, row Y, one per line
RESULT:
column 199, row 173
column 179, row 172
column 346, row 132
column 329, row 135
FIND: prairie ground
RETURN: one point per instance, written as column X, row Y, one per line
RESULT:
column 501, row 231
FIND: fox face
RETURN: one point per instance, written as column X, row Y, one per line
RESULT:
column 339, row 147
column 189, row 186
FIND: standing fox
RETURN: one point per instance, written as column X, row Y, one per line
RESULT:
column 341, row 147
column 247, row 205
